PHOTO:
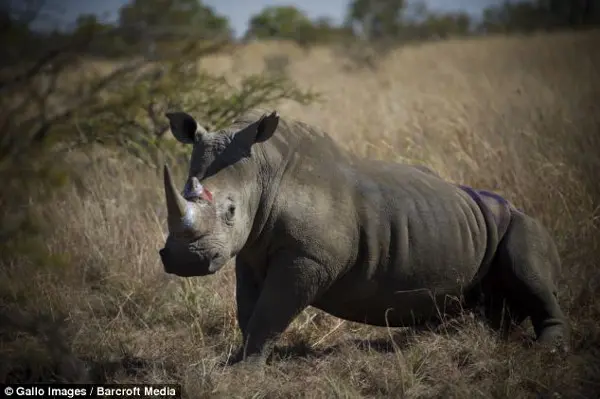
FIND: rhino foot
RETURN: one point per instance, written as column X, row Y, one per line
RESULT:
column 238, row 358
column 230, row 360
column 555, row 339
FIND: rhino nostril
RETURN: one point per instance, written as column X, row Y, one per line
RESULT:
column 163, row 253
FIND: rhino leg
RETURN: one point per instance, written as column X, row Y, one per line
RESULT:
column 526, row 264
column 500, row 311
column 292, row 284
column 247, row 292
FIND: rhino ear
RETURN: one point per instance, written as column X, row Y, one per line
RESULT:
column 184, row 127
column 267, row 126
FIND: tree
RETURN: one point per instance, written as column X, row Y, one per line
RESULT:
column 446, row 24
column 526, row 16
column 149, row 21
column 421, row 23
column 326, row 31
column 17, row 40
column 288, row 22
column 281, row 22
column 102, row 39
column 376, row 19
column 570, row 12
column 122, row 107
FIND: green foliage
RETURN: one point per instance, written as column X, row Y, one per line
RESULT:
column 170, row 20
column 398, row 19
column 448, row 24
column 132, row 115
column 282, row 22
column 14, row 34
column 541, row 14
column 88, row 25
column 376, row 19
column 381, row 25
column 394, row 20
column 289, row 23
column 326, row 31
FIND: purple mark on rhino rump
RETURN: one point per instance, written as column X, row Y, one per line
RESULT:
column 498, row 205
column 476, row 193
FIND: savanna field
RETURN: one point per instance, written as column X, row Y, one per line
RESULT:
column 88, row 300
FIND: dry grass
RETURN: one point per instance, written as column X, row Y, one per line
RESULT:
column 519, row 115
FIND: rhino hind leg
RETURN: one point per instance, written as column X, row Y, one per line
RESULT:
column 522, row 282
column 500, row 312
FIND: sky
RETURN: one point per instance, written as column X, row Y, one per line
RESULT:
column 240, row 11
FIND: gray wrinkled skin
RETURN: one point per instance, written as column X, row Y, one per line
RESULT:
column 368, row 241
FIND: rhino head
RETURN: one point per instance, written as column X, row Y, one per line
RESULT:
column 210, row 221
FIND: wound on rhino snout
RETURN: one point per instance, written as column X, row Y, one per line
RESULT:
column 195, row 190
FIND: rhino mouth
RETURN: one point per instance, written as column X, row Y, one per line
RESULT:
column 191, row 265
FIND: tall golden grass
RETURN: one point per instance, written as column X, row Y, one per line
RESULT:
column 519, row 115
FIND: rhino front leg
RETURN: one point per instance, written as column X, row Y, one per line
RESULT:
column 292, row 283
column 247, row 292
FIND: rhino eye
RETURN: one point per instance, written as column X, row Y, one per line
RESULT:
column 230, row 212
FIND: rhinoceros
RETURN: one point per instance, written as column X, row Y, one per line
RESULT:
column 381, row 243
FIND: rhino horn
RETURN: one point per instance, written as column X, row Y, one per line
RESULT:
column 176, row 204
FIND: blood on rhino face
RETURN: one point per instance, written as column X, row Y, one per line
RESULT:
column 206, row 230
